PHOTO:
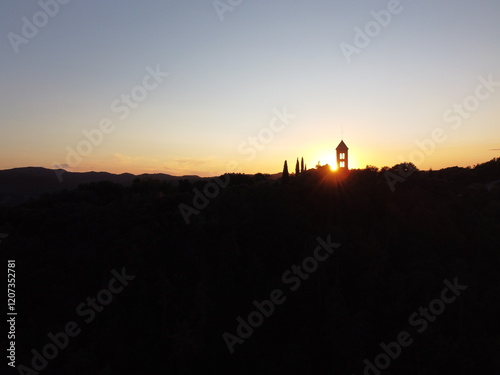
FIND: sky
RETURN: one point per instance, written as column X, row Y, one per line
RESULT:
column 208, row 87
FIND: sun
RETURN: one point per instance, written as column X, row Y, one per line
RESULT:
column 329, row 159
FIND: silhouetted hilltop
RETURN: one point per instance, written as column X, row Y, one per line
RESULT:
column 208, row 255
column 19, row 184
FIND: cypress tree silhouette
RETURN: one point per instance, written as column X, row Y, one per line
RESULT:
column 302, row 165
column 297, row 170
column 284, row 176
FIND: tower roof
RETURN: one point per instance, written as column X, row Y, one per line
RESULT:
column 342, row 146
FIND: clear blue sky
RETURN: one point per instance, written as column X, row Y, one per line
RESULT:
column 228, row 78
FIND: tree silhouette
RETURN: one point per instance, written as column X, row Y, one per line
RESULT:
column 284, row 176
column 297, row 170
column 302, row 165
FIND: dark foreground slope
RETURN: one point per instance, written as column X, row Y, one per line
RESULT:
column 148, row 292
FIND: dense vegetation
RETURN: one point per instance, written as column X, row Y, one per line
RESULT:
column 193, row 280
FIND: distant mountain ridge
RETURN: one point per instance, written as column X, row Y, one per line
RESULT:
column 20, row 184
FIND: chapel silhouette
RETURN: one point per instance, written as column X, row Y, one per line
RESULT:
column 342, row 156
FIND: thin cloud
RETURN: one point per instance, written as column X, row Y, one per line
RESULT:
column 61, row 166
column 183, row 166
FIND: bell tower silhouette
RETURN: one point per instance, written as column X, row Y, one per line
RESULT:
column 342, row 157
